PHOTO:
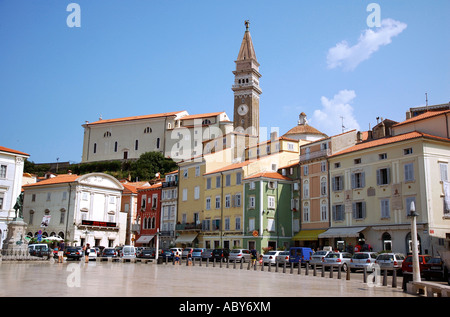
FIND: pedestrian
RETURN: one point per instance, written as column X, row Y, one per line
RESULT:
column 86, row 253
column 260, row 260
column 177, row 258
column 61, row 252
column 189, row 257
column 254, row 256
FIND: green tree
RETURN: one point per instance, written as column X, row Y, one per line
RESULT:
column 149, row 164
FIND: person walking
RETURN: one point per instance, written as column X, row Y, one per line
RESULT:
column 86, row 253
column 61, row 252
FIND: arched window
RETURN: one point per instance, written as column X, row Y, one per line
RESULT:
column 148, row 130
column 387, row 241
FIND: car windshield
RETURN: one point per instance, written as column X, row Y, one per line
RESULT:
column 361, row 256
column 385, row 257
column 333, row 255
column 271, row 253
column 320, row 253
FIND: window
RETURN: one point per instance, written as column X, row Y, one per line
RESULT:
column 149, row 130
column 305, row 189
column 323, row 211
column 271, row 202
column 217, row 202
column 95, row 148
column 136, row 145
column 407, row 151
column 251, row 202
column 337, row 165
column 358, row 180
column 383, row 176
column 208, row 183
column 184, row 194
column 251, row 224
column 338, row 212
column 237, row 223
column 62, row 217
column 237, row 202
column 158, row 143
column 323, row 186
column 385, row 209
column 197, row 171
column 359, row 210
column 227, row 201
column 271, row 225
column 443, row 169
column 382, row 156
column 409, row 172
column 154, row 200
column 228, row 180
column 33, row 198
column 306, row 212
column 49, row 196
column 357, row 161
column 305, row 170
column 238, row 178
column 323, row 166
column 252, row 185
column 337, row 183
column 227, row 223
column 3, row 171
column 196, row 192
column 217, row 181
column 185, row 173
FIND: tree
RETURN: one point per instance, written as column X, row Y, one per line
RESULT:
column 150, row 163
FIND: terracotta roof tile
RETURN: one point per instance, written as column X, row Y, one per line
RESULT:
column 273, row 175
column 59, row 179
column 231, row 167
column 5, row 149
column 150, row 116
column 422, row 116
column 201, row 115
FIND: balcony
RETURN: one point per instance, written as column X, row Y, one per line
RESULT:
column 188, row 226
column 315, row 155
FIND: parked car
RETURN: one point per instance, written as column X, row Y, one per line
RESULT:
column 185, row 252
column 147, row 254
column 360, row 260
column 407, row 264
column 128, row 252
column 197, row 253
column 435, row 268
column 109, row 252
column 339, row 258
column 317, row 257
column 282, row 257
column 392, row 261
column 270, row 257
column 92, row 254
column 219, row 254
column 166, row 254
column 207, row 254
column 238, row 255
column 176, row 251
column 39, row 249
column 73, row 253
column 300, row 255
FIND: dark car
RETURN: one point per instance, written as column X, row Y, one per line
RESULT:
column 110, row 252
column 147, row 254
column 219, row 254
column 166, row 255
column 435, row 268
column 73, row 253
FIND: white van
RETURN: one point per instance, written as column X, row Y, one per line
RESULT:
column 39, row 249
column 128, row 251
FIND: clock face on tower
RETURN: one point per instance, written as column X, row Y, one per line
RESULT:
column 242, row 109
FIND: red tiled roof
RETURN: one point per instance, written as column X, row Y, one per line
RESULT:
column 201, row 115
column 150, row 116
column 5, row 149
column 388, row 140
column 231, row 167
column 273, row 175
column 59, row 179
column 422, row 116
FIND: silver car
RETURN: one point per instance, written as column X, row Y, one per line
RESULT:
column 317, row 257
column 363, row 259
column 339, row 258
column 282, row 257
column 390, row 261
column 197, row 253
column 270, row 257
column 237, row 255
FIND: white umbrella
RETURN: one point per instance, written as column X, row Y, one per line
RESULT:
column 53, row 238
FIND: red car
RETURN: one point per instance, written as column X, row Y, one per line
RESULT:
column 407, row 263
column 435, row 268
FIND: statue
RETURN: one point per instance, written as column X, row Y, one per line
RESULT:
column 18, row 207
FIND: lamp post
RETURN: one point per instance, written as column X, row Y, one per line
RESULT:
column 415, row 254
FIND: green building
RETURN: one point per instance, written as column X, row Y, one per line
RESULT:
column 268, row 211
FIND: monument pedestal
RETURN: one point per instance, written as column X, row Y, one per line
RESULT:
column 15, row 247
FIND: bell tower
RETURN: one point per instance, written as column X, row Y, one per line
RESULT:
column 246, row 88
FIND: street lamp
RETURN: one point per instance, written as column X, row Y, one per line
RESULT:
column 415, row 254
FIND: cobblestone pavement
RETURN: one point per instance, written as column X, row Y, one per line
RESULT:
column 78, row 279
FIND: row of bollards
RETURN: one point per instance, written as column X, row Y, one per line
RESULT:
column 284, row 266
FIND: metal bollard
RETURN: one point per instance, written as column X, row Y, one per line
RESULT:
column 228, row 262
column 262, row 267
column 270, row 266
column 385, row 277
column 214, row 262
column 365, row 274
column 220, row 263
column 284, row 266
column 306, row 268
column 394, row 278
column 314, row 269
column 234, row 264
column 242, row 264
column 254, row 266
column 347, row 277
column 323, row 270
column 331, row 270
column 200, row 263
column 340, row 272
column 249, row 264
column 207, row 262
column 299, row 269
column 292, row 267
column 276, row 266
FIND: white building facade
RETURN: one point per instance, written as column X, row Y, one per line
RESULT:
column 80, row 209
column 11, row 172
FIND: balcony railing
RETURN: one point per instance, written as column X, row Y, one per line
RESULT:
column 188, row 226
column 315, row 154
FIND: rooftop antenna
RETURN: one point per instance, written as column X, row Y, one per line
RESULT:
column 342, row 124
column 426, row 100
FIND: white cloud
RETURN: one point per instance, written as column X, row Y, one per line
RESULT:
column 328, row 119
column 348, row 57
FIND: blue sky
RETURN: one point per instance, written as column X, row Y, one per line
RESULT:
column 141, row 57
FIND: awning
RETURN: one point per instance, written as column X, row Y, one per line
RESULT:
column 186, row 237
column 144, row 239
column 342, row 232
column 307, row 235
